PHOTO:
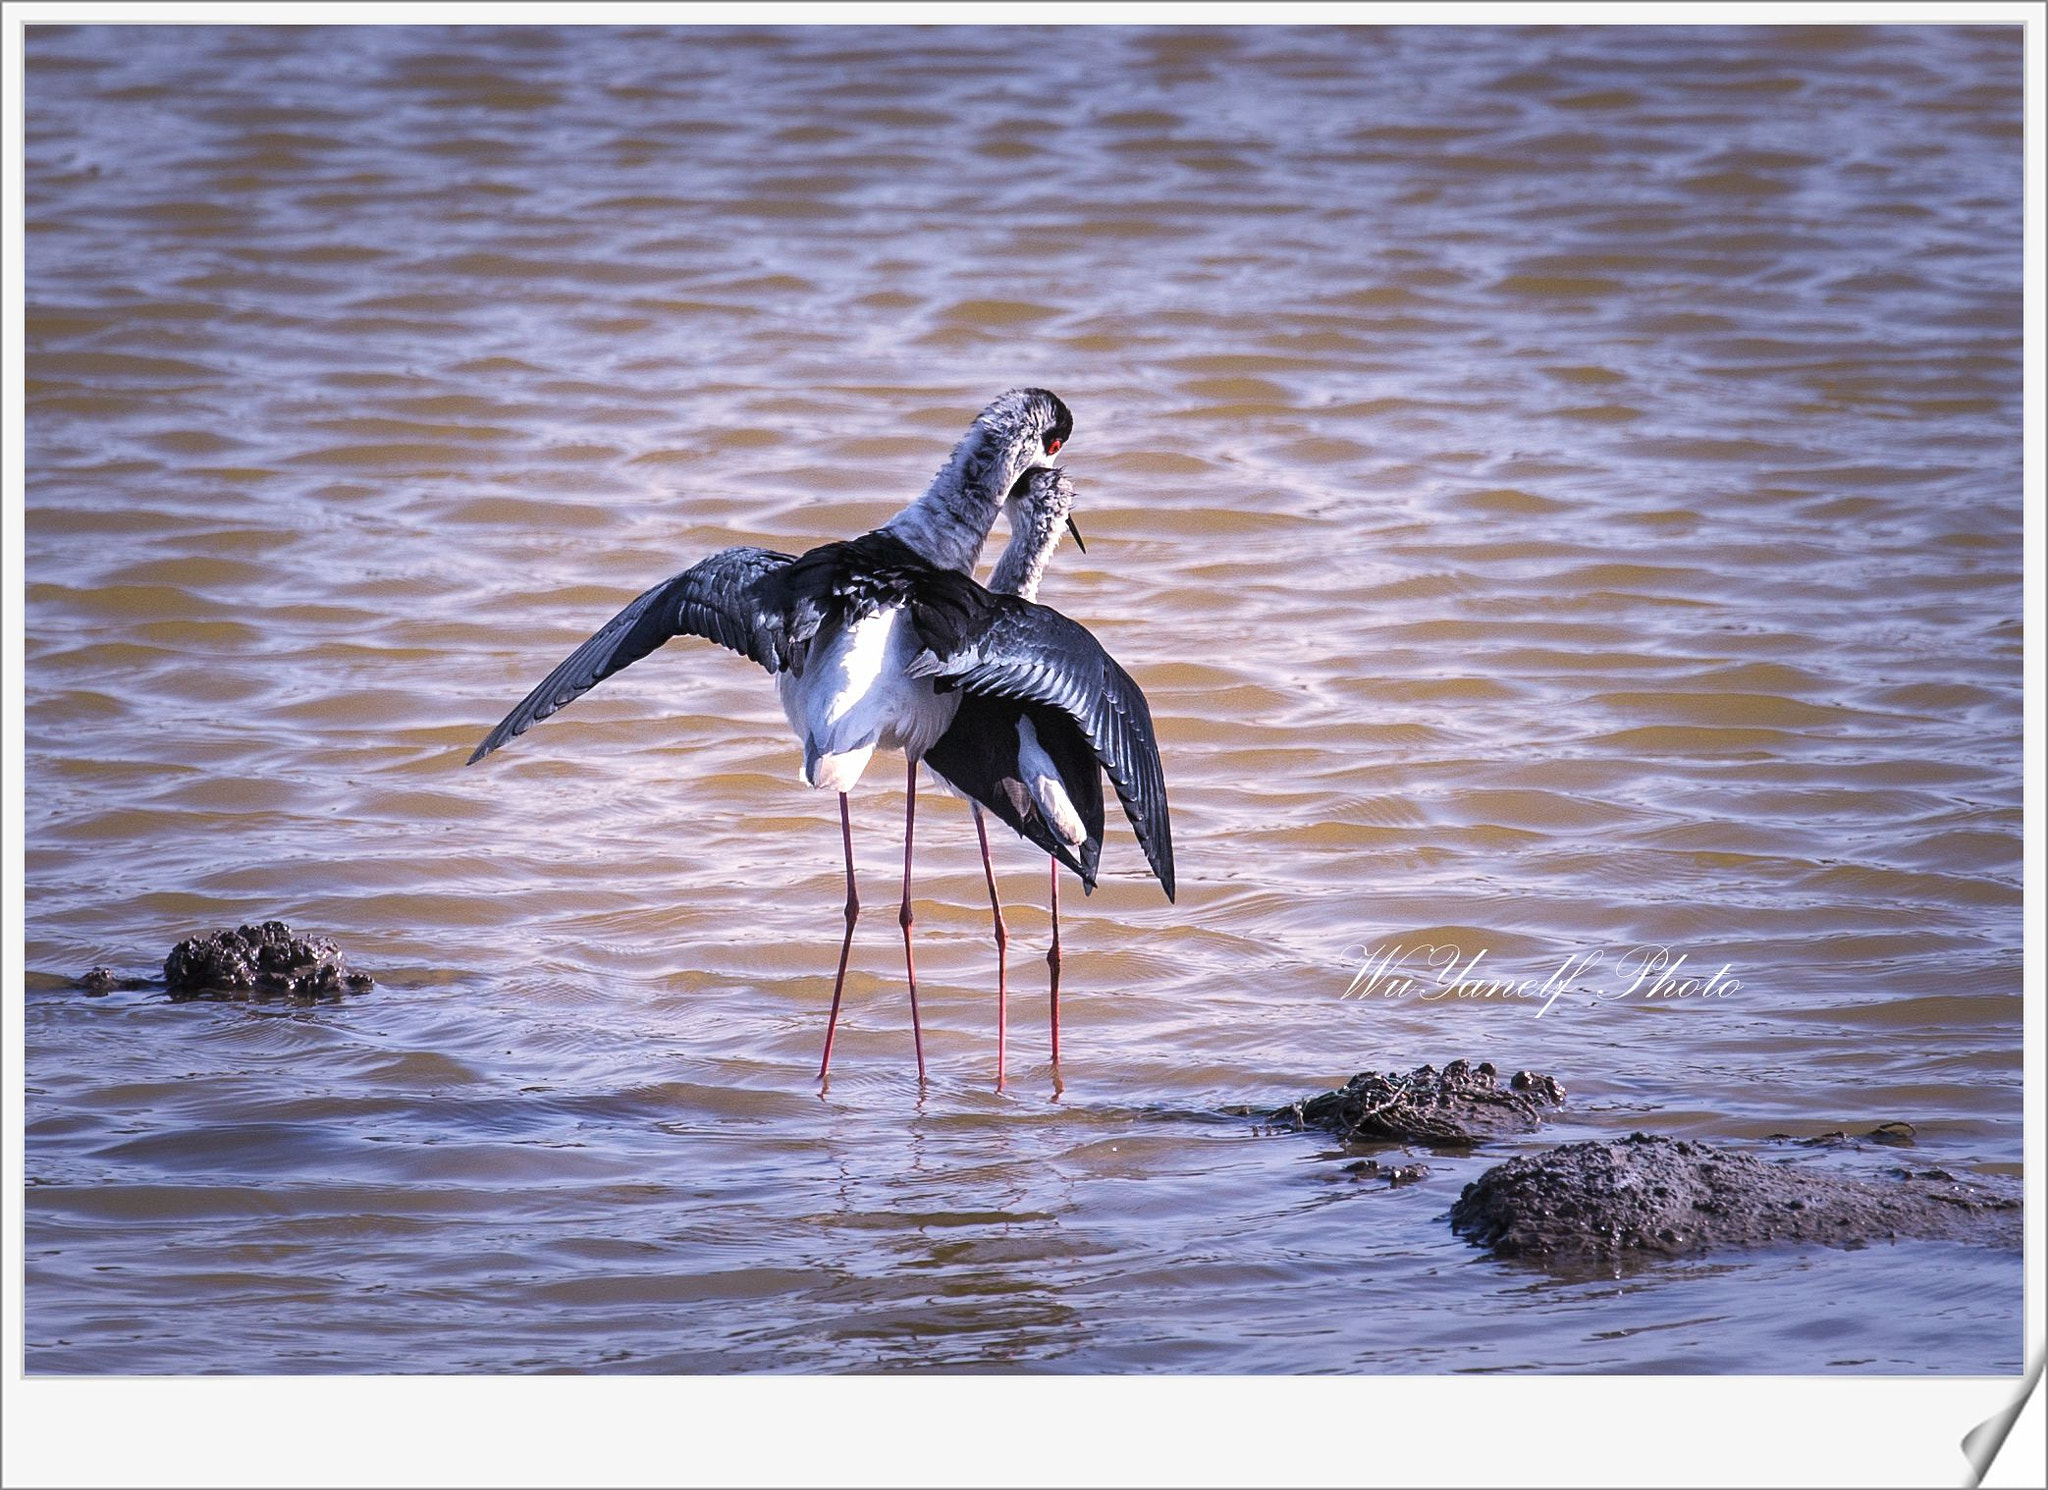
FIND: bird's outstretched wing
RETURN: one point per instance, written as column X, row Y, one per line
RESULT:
column 715, row 599
column 1033, row 654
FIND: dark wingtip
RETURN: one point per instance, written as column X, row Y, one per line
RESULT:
column 1162, row 867
column 489, row 743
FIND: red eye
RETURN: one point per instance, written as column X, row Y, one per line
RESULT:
column 1052, row 446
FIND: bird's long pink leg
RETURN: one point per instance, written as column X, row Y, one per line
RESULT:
column 995, row 906
column 845, row 947
column 909, row 962
column 1052, row 959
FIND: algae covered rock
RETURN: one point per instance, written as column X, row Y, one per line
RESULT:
column 1649, row 1194
column 260, row 961
column 1460, row 1105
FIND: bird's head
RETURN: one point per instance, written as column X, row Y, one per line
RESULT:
column 1023, row 428
column 1040, row 504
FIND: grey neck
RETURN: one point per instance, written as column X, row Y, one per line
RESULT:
column 948, row 524
column 1022, row 563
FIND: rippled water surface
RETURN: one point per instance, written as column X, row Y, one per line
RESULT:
column 1560, row 490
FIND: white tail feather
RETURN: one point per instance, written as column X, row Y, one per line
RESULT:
column 1042, row 780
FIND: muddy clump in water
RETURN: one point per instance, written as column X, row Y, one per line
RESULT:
column 1652, row 1195
column 1898, row 1135
column 265, row 961
column 1395, row 1175
column 1458, row 1106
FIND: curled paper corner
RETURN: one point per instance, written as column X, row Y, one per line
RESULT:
column 1982, row 1443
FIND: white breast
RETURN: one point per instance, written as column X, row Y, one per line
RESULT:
column 854, row 698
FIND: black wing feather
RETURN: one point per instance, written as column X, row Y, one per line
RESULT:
column 837, row 584
column 982, row 741
column 1035, row 655
column 715, row 600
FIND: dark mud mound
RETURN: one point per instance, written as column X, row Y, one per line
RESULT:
column 1456, row 1107
column 265, row 961
column 1395, row 1175
column 1650, row 1195
column 105, row 980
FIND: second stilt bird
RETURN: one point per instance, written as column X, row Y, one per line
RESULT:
column 1031, row 763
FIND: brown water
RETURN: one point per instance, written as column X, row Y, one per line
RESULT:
column 1559, row 489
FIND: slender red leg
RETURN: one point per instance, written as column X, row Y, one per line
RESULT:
column 845, row 947
column 909, row 962
column 1052, row 959
column 1002, row 948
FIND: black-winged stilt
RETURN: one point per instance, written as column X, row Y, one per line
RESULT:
column 875, row 642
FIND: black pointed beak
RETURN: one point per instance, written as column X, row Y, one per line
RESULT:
column 1071, row 528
